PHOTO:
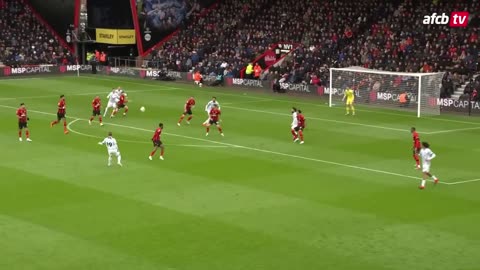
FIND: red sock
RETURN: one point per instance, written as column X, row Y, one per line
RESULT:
column 65, row 125
column 126, row 110
column 100, row 118
column 300, row 133
column 54, row 122
column 208, row 129
column 20, row 134
column 114, row 112
column 415, row 156
column 27, row 133
column 190, row 118
column 294, row 134
column 91, row 118
column 162, row 152
column 220, row 130
column 153, row 153
column 181, row 118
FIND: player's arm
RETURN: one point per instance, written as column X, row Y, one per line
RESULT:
column 102, row 142
column 432, row 156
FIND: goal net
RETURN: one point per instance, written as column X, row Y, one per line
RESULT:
column 416, row 92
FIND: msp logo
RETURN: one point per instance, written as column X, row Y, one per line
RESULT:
column 7, row 71
column 456, row 19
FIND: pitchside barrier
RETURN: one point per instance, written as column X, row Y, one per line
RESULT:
column 372, row 97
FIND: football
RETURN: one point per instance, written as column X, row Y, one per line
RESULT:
column 142, row 109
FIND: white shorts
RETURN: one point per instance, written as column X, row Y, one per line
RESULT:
column 426, row 168
column 111, row 105
column 113, row 153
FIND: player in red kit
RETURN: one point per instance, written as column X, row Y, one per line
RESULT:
column 214, row 119
column 417, row 146
column 157, row 143
column 189, row 105
column 96, row 107
column 22, row 122
column 300, row 127
column 61, row 114
column 121, row 104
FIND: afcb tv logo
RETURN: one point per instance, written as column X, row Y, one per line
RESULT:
column 456, row 19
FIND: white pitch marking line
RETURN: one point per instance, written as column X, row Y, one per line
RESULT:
column 255, row 149
column 465, row 181
column 69, row 127
column 291, row 101
column 452, row 130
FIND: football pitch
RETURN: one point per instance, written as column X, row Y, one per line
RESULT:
column 346, row 199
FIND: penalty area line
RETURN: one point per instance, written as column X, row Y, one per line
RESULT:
column 255, row 149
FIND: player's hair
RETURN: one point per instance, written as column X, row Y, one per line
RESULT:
column 299, row 111
column 21, row 104
column 294, row 109
column 214, row 97
column 61, row 96
column 413, row 128
column 110, row 133
column 426, row 144
column 160, row 125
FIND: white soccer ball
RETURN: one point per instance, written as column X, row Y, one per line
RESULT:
column 142, row 109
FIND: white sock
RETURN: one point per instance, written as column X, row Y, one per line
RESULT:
column 119, row 159
column 434, row 177
column 423, row 182
column 105, row 113
column 109, row 160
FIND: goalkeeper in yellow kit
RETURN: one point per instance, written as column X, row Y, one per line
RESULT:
column 350, row 96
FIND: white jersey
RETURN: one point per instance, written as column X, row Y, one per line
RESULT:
column 427, row 155
column 294, row 119
column 111, row 144
column 210, row 105
column 113, row 97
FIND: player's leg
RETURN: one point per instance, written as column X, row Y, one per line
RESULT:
column 416, row 158
column 92, row 117
column 162, row 151
column 109, row 105
column 294, row 133
column 300, row 134
column 53, row 123
column 65, row 129
column 424, row 180
column 352, row 108
column 119, row 158
column 126, row 110
column 100, row 119
column 155, row 147
column 110, row 159
column 27, row 134
column 114, row 111
column 434, row 178
column 181, row 119
column 208, row 128
column 20, row 132
column 189, row 117
column 347, row 108
column 220, row 129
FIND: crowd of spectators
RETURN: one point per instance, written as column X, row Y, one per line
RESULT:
column 24, row 41
column 384, row 35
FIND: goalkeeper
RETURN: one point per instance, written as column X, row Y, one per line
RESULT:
column 350, row 96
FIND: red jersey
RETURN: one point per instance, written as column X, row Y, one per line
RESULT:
column 416, row 140
column 301, row 120
column 96, row 103
column 189, row 104
column 121, row 100
column 156, row 135
column 22, row 115
column 61, row 106
column 215, row 114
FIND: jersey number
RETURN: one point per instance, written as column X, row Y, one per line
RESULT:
column 110, row 144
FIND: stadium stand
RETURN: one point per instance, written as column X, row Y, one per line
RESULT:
column 19, row 46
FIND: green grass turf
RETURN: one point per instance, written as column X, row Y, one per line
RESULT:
column 347, row 199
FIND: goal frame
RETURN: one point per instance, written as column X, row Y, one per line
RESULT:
column 381, row 72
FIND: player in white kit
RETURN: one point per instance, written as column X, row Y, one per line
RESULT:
column 113, row 98
column 427, row 155
column 209, row 107
column 112, row 149
column 294, row 124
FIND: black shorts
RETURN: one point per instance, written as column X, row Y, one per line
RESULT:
column 213, row 122
column 22, row 125
column 96, row 112
column 121, row 106
column 60, row 116
column 298, row 128
column 157, row 143
column 188, row 111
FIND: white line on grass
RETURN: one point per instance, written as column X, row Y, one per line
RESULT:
column 254, row 149
column 292, row 102
column 465, row 181
column 69, row 127
column 452, row 130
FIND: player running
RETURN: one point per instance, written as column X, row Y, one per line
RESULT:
column 157, row 143
column 96, row 106
column 121, row 104
column 61, row 112
column 294, row 123
column 427, row 155
column 214, row 119
column 112, row 148
column 22, row 122
column 209, row 107
column 113, row 98
column 416, row 147
column 350, row 96
column 189, row 105
column 299, row 128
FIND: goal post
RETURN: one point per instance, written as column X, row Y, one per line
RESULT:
column 415, row 92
